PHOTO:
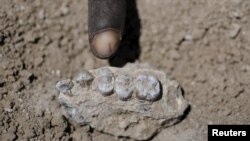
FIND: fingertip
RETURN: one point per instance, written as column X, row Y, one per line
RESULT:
column 105, row 44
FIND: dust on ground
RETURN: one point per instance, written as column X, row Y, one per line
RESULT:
column 202, row 44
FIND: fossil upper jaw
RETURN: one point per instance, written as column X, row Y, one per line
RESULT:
column 117, row 98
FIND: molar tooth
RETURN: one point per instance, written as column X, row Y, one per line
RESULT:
column 105, row 81
column 85, row 78
column 124, row 87
column 147, row 87
column 65, row 86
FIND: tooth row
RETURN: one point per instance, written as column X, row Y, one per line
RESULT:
column 147, row 87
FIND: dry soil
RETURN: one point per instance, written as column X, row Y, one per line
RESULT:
column 203, row 44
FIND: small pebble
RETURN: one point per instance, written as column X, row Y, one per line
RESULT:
column 235, row 31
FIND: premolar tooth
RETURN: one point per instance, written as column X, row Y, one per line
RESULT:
column 147, row 87
column 65, row 86
column 124, row 87
column 85, row 78
column 105, row 81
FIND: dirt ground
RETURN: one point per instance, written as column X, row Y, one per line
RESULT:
column 203, row 44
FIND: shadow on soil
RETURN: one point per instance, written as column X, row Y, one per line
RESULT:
column 129, row 50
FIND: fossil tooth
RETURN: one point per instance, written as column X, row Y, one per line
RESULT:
column 65, row 86
column 147, row 87
column 85, row 78
column 124, row 87
column 105, row 81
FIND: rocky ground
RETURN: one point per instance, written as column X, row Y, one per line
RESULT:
column 202, row 44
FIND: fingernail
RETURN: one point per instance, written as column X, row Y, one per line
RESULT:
column 105, row 44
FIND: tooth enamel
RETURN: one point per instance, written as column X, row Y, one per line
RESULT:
column 147, row 87
column 85, row 78
column 65, row 86
column 105, row 81
column 124, row 87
